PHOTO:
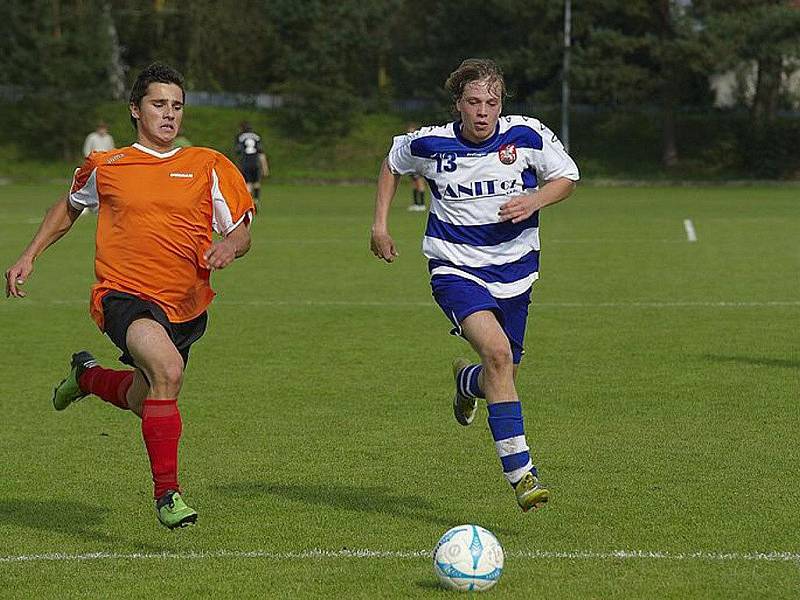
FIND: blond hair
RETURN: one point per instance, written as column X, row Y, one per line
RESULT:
column 474, row 69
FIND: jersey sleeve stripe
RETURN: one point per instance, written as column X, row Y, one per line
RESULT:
column 222, row 221
column 85, row 196
column 246, row 218
column 399, row 158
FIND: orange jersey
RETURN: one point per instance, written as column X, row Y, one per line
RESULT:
column 156, row 215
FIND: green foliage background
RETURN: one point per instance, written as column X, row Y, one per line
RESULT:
column 340, row 66
column 615, row 145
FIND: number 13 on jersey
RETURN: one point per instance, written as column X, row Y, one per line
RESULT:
column 445, row 161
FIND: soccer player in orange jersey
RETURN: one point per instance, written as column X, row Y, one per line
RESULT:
column 158, row 207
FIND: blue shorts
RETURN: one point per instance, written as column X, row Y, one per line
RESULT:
column 459, row 298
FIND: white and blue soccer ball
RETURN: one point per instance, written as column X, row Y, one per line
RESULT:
column 468, row 558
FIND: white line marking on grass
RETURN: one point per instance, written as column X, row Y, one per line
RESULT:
column 773, row 556
column 313, row 554
column 364, row 553
column 691, row 235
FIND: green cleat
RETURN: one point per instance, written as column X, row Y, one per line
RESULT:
column 530, row 493
column 172, row 511
column 68, row 391
column 464, row 407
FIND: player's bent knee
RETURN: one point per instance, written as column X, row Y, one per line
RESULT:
column 168, row 377
column 174, row 373
column 498, row 358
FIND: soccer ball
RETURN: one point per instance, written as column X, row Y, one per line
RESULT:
column 468, row 558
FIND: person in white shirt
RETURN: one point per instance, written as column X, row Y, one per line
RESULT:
column 99, row 140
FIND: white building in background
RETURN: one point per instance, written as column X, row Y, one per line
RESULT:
column 739, row 85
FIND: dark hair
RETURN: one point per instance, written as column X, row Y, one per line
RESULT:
column 154, row 73
column 474, row 69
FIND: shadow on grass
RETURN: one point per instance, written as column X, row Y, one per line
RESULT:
column 64, row 517
column 761, row 361
column 372, row 499
column 432, row 586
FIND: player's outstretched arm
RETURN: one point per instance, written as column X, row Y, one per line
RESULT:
column 262, row 159
column 56, row 223
column 521, row 207
column 234, row 245
column 381, row 243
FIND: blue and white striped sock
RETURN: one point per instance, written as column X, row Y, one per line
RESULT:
column 508, row 431
column 468, row 381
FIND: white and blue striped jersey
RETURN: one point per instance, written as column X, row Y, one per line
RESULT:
column 469, row 182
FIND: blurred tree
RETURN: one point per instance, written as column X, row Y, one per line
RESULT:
column 761, row 32
column 331, row 57
column 433, row 38
column 150, row 31
column 325, row 58
column 218, row 45
column 56, row 65
column 764, row 33
column 231, row 46
column 640, row 53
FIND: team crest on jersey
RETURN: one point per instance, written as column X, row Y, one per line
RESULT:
column 507, row 154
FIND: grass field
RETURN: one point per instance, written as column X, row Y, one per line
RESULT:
column 660, row 394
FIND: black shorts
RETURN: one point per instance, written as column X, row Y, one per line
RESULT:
column 251, row 173
column 120, row 310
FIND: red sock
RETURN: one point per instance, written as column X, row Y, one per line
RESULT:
column 161, row 430
column 112, row 386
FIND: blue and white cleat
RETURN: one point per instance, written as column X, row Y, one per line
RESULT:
column 464, row 407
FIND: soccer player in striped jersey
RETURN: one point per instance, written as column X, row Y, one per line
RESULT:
column 489, row 175
column 158, row 207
